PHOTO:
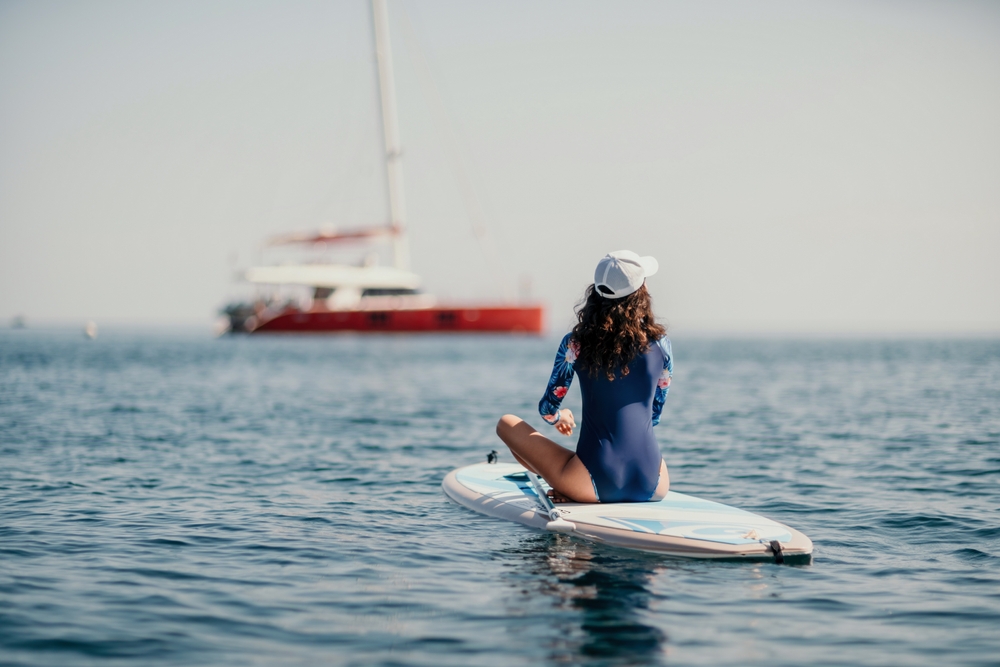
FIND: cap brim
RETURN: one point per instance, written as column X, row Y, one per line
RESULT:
column 649, row 265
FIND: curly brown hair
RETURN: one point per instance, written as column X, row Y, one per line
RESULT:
column 613, row 332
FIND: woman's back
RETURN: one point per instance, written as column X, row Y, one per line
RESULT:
column 617, row 443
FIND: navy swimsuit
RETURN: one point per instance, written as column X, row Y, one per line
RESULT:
column 616, row 443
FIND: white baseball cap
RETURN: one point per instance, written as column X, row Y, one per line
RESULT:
column 622, row 272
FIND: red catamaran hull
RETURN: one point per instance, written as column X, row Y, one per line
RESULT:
column 499, row 319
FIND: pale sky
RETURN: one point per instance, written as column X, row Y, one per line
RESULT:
column 795, row 167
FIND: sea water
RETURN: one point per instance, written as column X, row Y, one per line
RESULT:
column 171, row 499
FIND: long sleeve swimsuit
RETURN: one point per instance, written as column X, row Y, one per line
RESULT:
column 616, row 444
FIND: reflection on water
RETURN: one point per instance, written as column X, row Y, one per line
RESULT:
column 607, row 588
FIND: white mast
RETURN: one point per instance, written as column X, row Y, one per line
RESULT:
column 390, row 125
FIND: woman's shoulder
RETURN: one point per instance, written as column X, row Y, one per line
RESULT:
column 569, row 349
column 663, row 343
column 568, row 346
column 668, row 355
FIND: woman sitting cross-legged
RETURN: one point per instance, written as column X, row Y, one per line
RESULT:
column 623, row 359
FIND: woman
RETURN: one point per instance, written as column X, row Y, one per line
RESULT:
column 623, row 359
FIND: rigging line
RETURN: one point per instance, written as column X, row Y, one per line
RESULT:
column 447, row 137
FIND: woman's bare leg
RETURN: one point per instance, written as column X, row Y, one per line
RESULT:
column 554, row 495
column 560, row 467
column 664, row 485
column 523, row 462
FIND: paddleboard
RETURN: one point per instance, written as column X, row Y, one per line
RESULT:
column 679, row 525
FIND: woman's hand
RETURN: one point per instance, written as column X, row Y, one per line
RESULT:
column 566, row 422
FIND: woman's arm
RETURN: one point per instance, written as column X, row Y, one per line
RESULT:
column 663, row 384
column 559, row 384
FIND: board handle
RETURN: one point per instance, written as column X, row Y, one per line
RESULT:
column 559, row 524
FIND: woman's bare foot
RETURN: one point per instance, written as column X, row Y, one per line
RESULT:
column 557, row 497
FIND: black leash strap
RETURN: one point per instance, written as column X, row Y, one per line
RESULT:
column 779, row 557
column 492, row 457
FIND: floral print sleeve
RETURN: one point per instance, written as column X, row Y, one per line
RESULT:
column 663, row 384
column 559, row 383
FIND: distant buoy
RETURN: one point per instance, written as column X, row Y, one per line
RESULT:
column 90, row 330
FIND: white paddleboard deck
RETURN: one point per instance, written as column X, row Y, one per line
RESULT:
column 678, row 525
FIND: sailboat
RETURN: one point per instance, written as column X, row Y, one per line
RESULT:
column 368, row 297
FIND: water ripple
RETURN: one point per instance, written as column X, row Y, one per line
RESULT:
column 168, row 499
